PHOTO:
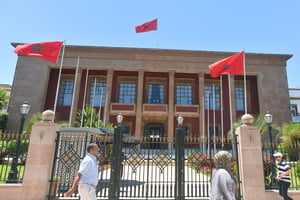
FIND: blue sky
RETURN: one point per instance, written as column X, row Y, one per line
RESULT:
column 257, row 26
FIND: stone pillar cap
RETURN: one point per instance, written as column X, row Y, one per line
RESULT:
column 48, row 116
column 247, row 119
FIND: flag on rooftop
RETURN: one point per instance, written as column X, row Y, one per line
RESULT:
column 45, row 50
column 146, row 27
column 231, row 65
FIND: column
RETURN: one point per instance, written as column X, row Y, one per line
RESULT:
column 109, row 82
column 171, row 104
column 139, row 105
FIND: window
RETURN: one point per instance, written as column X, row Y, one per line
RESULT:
column 127, row 93
column 239, row 98
column 156, row 94
column 65, row 93
column 184, row 94
column 98, row 94
column 213, row 132
column 212, row 97
column 294, row 110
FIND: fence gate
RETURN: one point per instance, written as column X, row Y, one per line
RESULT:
column 143, row 168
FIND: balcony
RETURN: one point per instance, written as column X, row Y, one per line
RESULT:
column 155, row 108
column 187, row 109
column 122, row 107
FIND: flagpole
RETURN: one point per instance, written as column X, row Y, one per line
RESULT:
column 203, row 127
column 92, row 113
column 230, row 104
column 99, row 114
column 59, row 76
column 222, row 123
column 84, row 95
column 245, row 86
column 208, row 135
column 73, row 95
column 214, row 116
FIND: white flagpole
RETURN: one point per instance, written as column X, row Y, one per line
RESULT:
column 99, row 114
column 95, row 82
column 222, row 122
column 59, row 76
column 208, row 134
column 214, row 116
column 230, row 104
column 73, row 95
column 245, row 86
column 84, row 95
column 203, row 129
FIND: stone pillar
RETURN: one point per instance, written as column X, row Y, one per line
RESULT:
column 39, row 161
column 139, row 105
column 171, row 104
column 109, row 82
column 250, row 160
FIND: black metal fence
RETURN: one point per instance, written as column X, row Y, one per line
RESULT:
column 13, row 154
column 141, row 168
column 292, row 155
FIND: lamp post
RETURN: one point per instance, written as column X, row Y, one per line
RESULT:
column 269, row 119
column 179, row 159
column 114, row 188
column 13, row 173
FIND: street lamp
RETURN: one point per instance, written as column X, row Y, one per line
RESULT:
column 269, row 119
column 180, row 120
column 119, row 119
column 13, row 174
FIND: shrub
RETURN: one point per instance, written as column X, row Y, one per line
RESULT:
column 3, row 121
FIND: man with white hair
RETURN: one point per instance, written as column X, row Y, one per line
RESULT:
column 283, row 176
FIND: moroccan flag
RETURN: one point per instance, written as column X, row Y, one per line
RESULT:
column 146, row 27
column 44, row 50
column 231, row 65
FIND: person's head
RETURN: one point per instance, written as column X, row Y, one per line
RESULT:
column 278, row 156
column 93, row 149
column 223, row 159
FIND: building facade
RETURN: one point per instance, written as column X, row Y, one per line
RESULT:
column 151, row 87
column 295, row 104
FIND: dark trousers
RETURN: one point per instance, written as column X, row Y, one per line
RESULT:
column 283, row 189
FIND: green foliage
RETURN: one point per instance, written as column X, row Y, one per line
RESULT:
column 3, row 121
column 290, row 134
column 261, row 124
column 3, row 97
column 90, row 119
column 32, row 120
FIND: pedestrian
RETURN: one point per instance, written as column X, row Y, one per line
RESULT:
column 87, row 176
column 283, row 175
column 223, row 182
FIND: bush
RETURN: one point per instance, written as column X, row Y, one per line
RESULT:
column 3, row 121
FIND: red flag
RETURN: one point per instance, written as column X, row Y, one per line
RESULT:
column 148, row 26
column 231, row 65
column 44, row 50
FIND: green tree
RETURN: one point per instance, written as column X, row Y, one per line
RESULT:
column 3, row 97
column 36, row 117
column 291, row 137
column 90, row 119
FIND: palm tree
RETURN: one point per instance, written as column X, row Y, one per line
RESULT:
column 291, row 137
column 3, row 97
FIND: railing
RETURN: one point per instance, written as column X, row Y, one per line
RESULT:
column 292, row 155
column 8, row 144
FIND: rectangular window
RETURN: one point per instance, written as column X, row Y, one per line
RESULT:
column 156, row 94
column 127, row 93
column 184, row 94
column 212, row 97
column 294, row 110
column 98, row 94
column 65, row 93
column 239, row 98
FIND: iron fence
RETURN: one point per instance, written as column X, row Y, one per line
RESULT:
column 141, row 168
column 291, row 154
column 8, row 145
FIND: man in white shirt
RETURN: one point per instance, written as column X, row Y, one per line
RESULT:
column 87, row 176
